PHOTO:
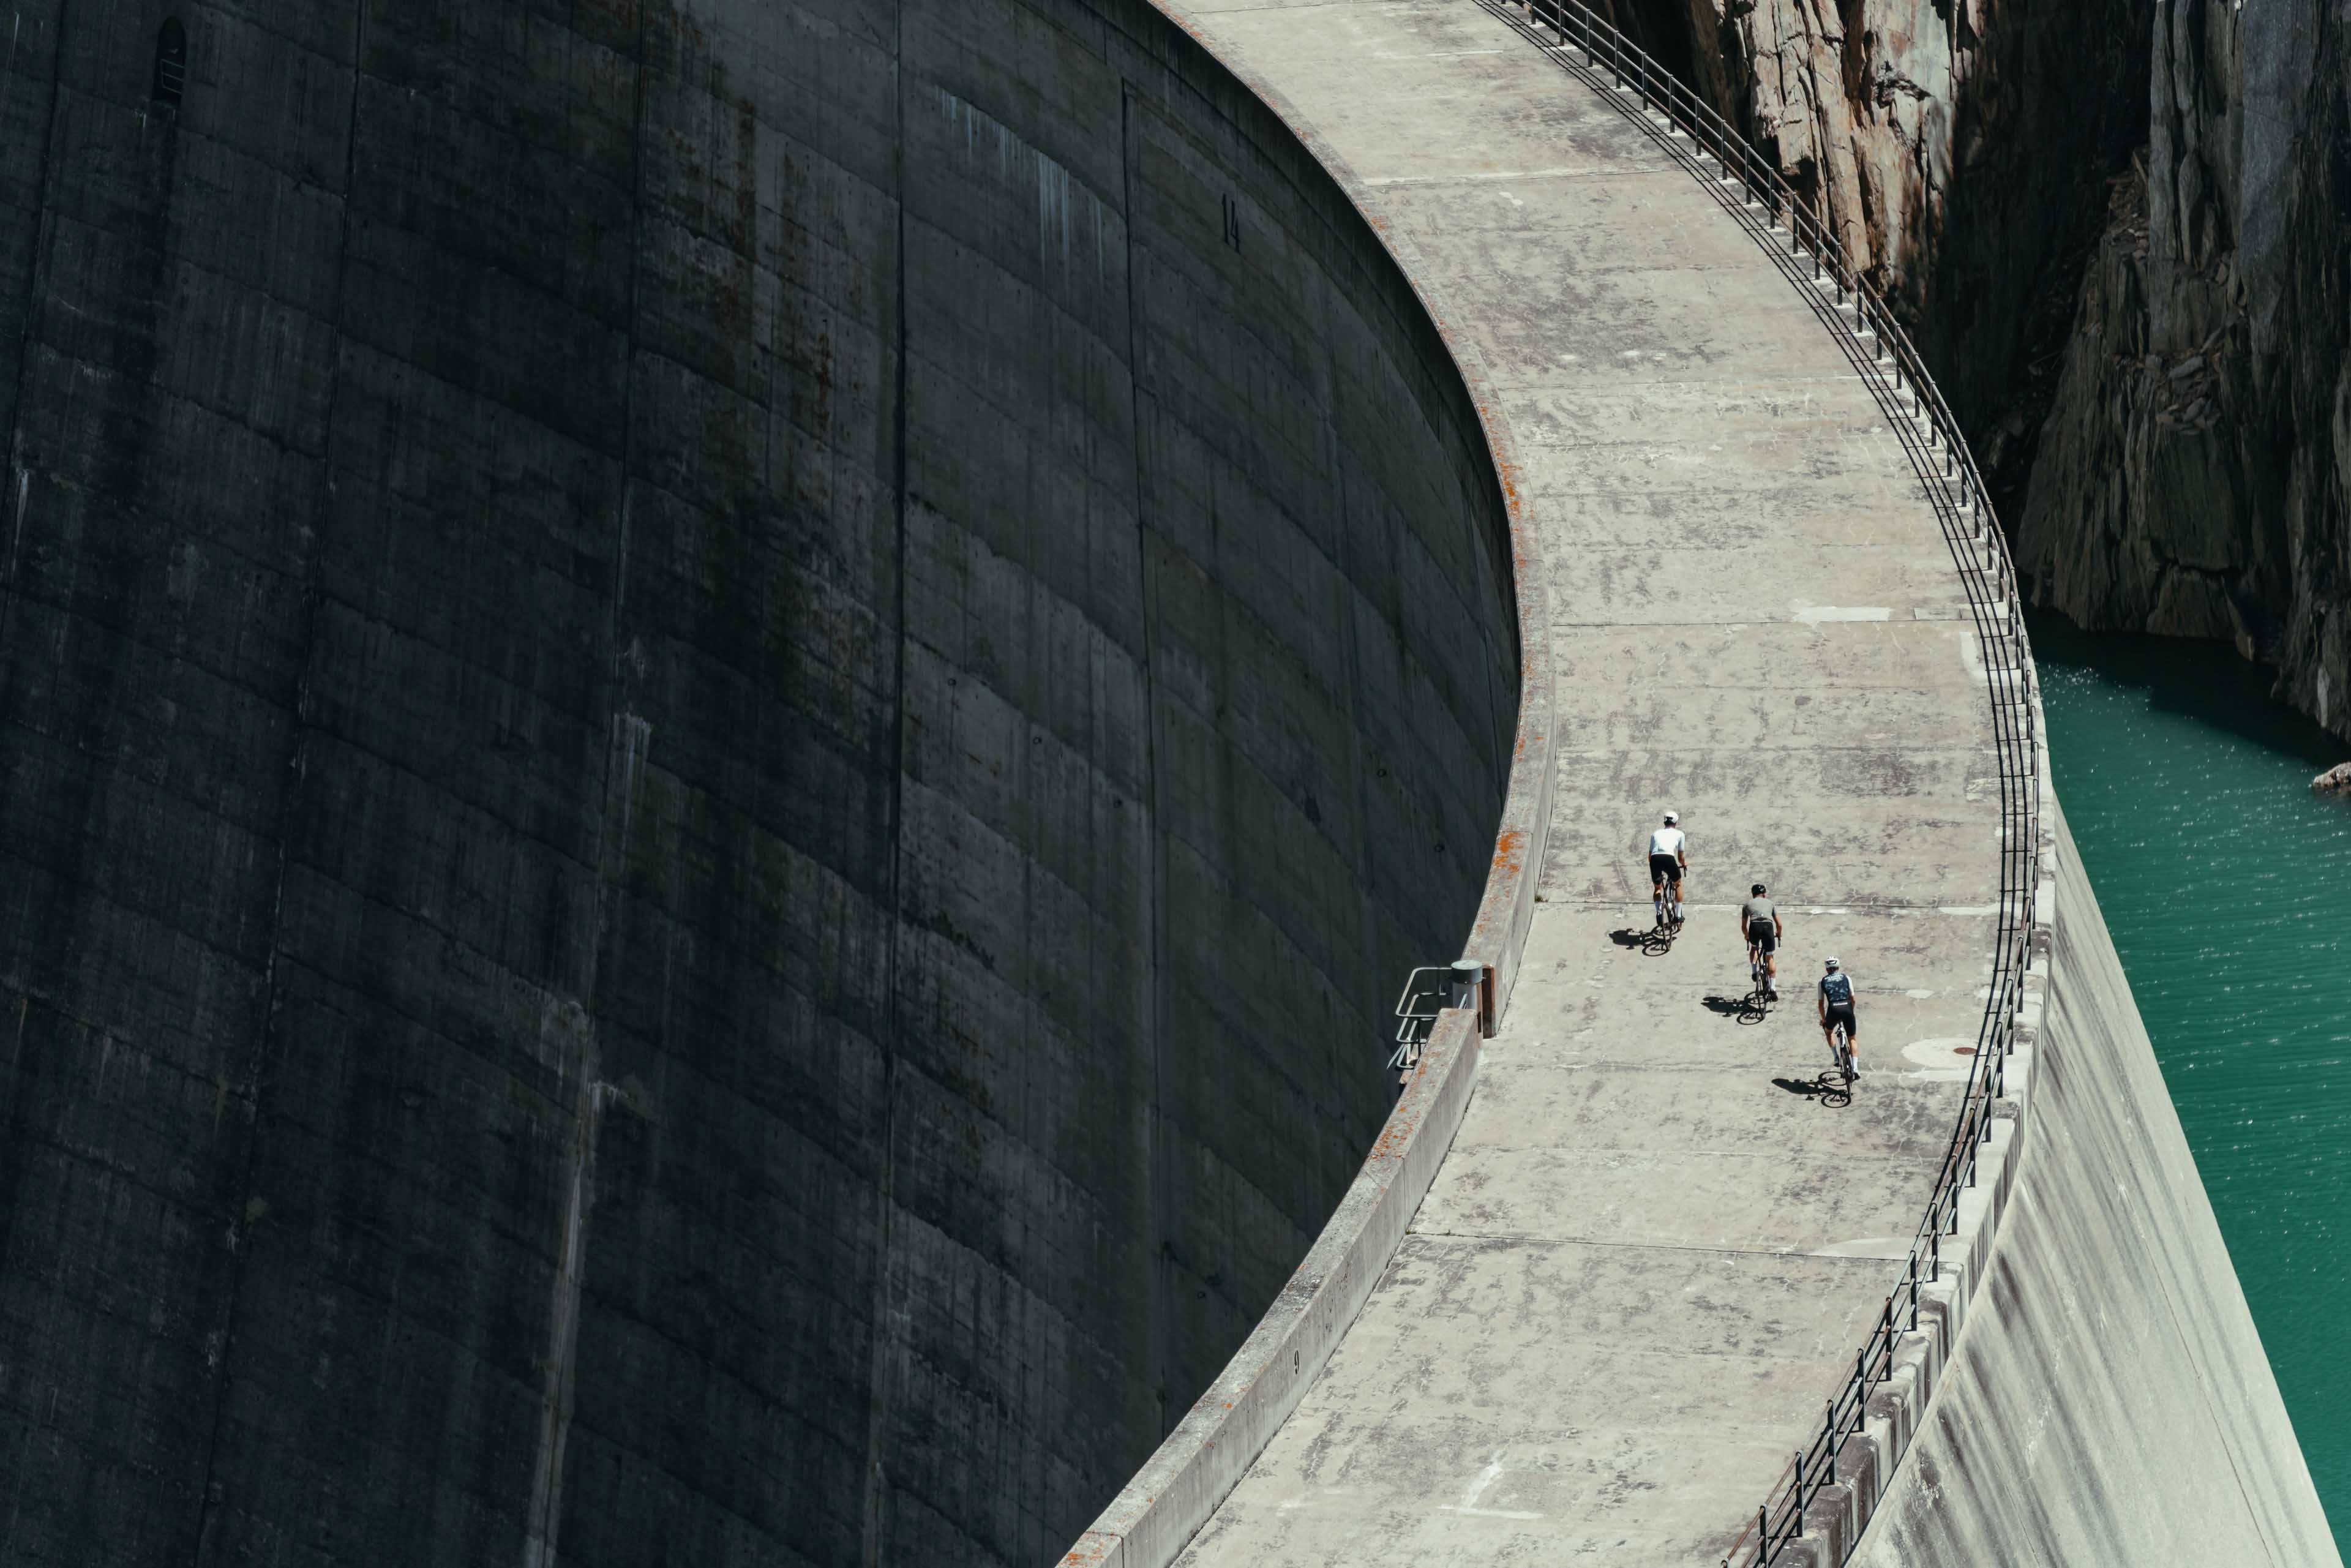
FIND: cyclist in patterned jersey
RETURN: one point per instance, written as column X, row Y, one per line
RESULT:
column 1666, row 863
column 1837, row 1008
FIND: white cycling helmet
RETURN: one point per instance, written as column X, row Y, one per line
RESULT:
column 1832, row 963
column 1671, row 819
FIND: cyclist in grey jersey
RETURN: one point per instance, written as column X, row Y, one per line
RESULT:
column 1837, row 1007
column 1759, row 921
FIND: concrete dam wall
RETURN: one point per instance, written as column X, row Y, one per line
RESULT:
column 723, row 725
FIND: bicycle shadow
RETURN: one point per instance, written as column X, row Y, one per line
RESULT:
column 1746, row 1010
column 1655, row 942
column 1829, row 1089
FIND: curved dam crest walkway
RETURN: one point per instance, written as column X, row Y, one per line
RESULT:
column 1650, row 1254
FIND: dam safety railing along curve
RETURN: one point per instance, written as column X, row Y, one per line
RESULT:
column 1768, row 207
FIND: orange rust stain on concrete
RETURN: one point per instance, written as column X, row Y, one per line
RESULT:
column 1403, row 1125
column 1511, row 847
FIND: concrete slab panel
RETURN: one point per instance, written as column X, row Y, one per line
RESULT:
column 1546, row 1388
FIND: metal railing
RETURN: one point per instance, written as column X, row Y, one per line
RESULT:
column 1428, row 991
column 1769, row 208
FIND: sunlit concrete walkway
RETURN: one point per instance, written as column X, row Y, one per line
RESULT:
column 1651, row 1254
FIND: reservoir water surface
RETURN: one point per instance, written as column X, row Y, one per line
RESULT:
column 2227, row 885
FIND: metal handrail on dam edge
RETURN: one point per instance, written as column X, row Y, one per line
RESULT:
column 1764, row 203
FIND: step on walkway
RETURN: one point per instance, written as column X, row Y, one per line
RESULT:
column 1654, row 1248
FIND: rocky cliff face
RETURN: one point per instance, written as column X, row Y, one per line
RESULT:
column 2121, row 244
column 2195, row 477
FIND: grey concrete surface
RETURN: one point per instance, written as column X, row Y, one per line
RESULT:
column 1652, row 1252
column 721, row 726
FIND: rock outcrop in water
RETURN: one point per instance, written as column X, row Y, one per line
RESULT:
column 2148, row 346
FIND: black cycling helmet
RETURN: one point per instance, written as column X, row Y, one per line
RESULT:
column 1757, row 890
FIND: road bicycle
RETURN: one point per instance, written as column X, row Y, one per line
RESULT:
column 1666, row 898
column 1840, row 1049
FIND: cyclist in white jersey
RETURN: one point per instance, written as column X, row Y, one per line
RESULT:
column 1668, row 862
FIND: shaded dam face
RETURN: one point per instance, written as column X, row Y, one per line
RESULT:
column 723, row 728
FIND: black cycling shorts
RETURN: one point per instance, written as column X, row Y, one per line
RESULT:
column 1665, row 868
column 1763, row 936
column 1844, row 1016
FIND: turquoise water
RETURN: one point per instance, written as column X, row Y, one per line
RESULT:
column 2227, row 885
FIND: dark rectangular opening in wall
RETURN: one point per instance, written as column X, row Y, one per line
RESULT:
column 170, row 63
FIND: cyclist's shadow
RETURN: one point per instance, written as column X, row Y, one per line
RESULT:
column 1746, row 1008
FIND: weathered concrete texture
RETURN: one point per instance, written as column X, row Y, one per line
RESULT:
column 2107, row 1401
column 723, row 724
column 1652, row 1251
column 2197, row 472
